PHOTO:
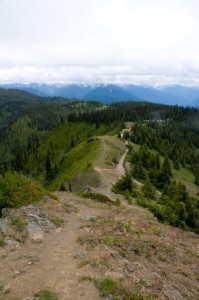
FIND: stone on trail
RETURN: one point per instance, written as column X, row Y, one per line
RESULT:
column 80, row 255
column 89, row 218
column 130, row 268
column 117, row 256
column 6, row 289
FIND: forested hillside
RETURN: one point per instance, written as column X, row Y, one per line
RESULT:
column 27, row 120
column 36, row 137
column 163, row 156
column 44, row 112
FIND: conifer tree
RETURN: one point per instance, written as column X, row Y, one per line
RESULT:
column 48, row 167
column 148, row 189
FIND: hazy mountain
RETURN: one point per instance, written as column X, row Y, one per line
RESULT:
column 172, row 95
column 182, row 95
column 195, row 103
column 110, row 93
column 148, row 93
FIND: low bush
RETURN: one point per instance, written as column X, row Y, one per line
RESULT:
column 17, row 190
column 98, row 197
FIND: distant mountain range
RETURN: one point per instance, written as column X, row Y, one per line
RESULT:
column 107, row 93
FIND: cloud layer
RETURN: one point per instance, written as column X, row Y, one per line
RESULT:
column 145, row 41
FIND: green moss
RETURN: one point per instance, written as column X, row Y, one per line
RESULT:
column 2, row 243
column 94, row 262
column 116, row 289
column 46, row 295
column 56, row 221
column 18, row 223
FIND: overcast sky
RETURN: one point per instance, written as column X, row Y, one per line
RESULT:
column 124, row 41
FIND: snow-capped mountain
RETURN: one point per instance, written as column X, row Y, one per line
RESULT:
column 172, row 95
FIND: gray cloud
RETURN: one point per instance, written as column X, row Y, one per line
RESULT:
column 150, row 42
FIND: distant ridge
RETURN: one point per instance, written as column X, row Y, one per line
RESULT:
column 110, row 93
column 171, row 95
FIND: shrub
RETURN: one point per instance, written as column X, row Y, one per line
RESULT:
column 123, row 184
column 17, row 190
column 117, row 202
column 98, row 197
column 175, row 207
column 2, row 243
column 148, row 189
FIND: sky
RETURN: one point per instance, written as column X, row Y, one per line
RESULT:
column 150, row 42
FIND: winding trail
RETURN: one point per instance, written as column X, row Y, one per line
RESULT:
column 120, row 171
column 109, row 176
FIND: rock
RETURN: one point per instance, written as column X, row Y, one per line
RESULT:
column 80, row 255
column 3, row 225
column 156, row 275
column 114, row 275
column 17, row 272
column 38, row 225
column 171, row 293
column 35, row 231
column 29, row 298
column 89, row 218
column 117, row 255
column 46, row 198
column 130, row 268
column 4, row 211
column 138, row 266
column 12, row 243
column 86, row 229
column 6, row 289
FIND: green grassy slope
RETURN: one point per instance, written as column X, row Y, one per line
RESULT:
column 187, row 177
column 57, row 145
column 77, row 166
column 184, row 175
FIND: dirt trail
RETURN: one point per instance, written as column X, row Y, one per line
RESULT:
column 120, row 171
column 109, row 174
column 50, row 264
